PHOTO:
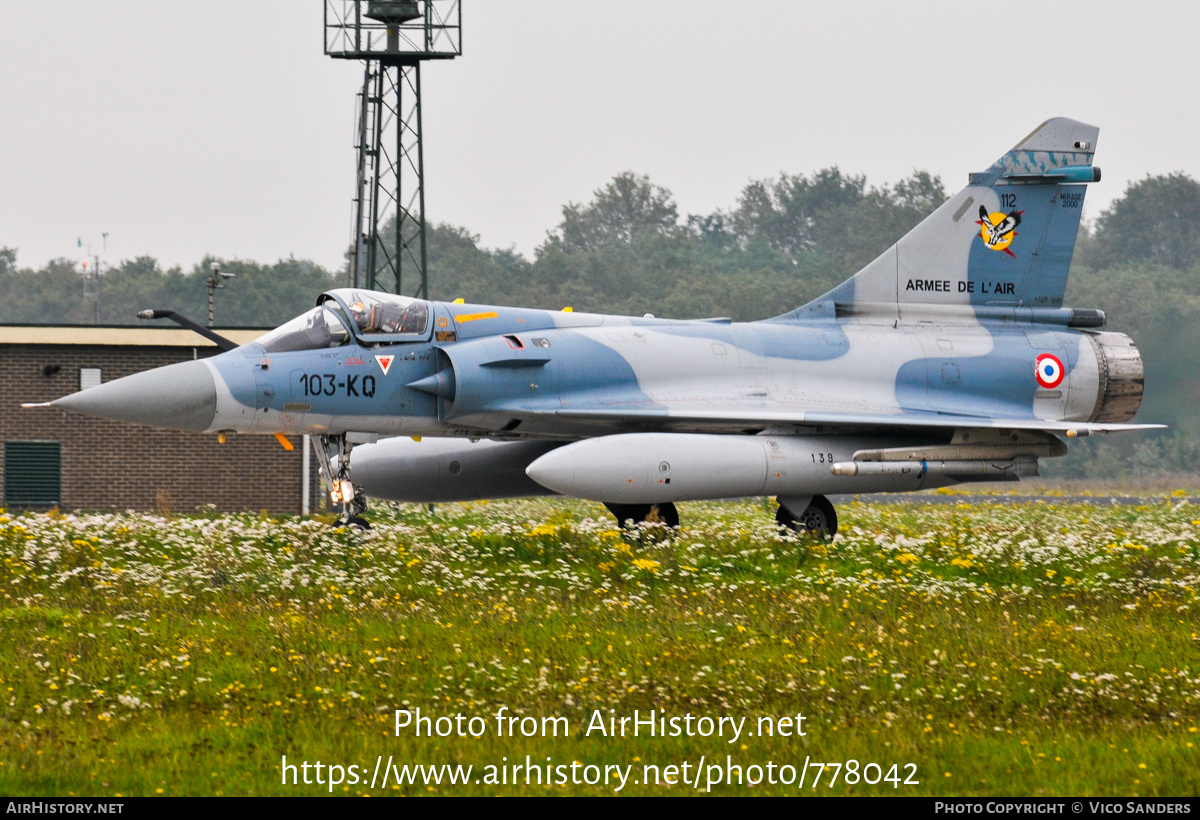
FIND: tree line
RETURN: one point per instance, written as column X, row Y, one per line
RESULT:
column 785, row 241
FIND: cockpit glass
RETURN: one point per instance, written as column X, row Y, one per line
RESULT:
column 383, row 313
column 318, row 328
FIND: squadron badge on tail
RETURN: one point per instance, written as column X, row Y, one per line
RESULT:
column 998, row 229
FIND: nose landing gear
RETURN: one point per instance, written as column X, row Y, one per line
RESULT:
column 342, row 490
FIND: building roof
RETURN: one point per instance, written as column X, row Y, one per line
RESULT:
column 119, row 336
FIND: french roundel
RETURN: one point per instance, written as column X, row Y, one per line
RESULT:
column 1049, row 370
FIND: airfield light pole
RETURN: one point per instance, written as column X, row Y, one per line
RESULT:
column 392, row 38
column 214, row 284
column 96, row 289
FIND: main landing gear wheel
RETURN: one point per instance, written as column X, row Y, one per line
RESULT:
column 819, row 519
column 639, row 513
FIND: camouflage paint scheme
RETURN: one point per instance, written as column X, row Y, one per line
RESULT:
column 933, row 349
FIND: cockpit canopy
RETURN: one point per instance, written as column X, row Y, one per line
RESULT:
column 378, row 317
column 320, row 327
column 379, row 313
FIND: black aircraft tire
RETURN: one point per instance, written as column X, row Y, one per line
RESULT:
column 355, row 521
column 667, row 514
column 626, row 512
column 818, row 519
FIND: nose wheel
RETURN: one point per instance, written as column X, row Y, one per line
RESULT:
column 818, row 519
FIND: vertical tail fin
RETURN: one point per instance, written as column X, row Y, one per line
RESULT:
column 1004, row 241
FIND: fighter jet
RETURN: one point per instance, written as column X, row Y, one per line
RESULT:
column 948, row 359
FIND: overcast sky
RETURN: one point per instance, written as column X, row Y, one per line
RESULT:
column 185, row 128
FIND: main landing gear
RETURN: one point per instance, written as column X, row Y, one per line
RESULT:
column 342, row 490
column 818, row 518
column 645, row 513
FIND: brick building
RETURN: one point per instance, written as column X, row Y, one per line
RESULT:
column 81, row 463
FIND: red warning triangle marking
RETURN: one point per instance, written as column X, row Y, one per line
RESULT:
column 385, row 362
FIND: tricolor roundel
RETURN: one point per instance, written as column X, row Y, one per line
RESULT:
column 1049, row 370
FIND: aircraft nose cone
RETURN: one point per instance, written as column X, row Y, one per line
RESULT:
column 177, row 397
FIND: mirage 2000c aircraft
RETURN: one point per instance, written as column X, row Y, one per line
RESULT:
column 948, row 359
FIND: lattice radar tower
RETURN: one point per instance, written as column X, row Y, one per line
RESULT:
column 392, row 39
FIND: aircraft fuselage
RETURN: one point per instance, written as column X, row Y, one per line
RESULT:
column 529, row 373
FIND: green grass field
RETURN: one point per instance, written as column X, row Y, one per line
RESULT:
column 1019, row 649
